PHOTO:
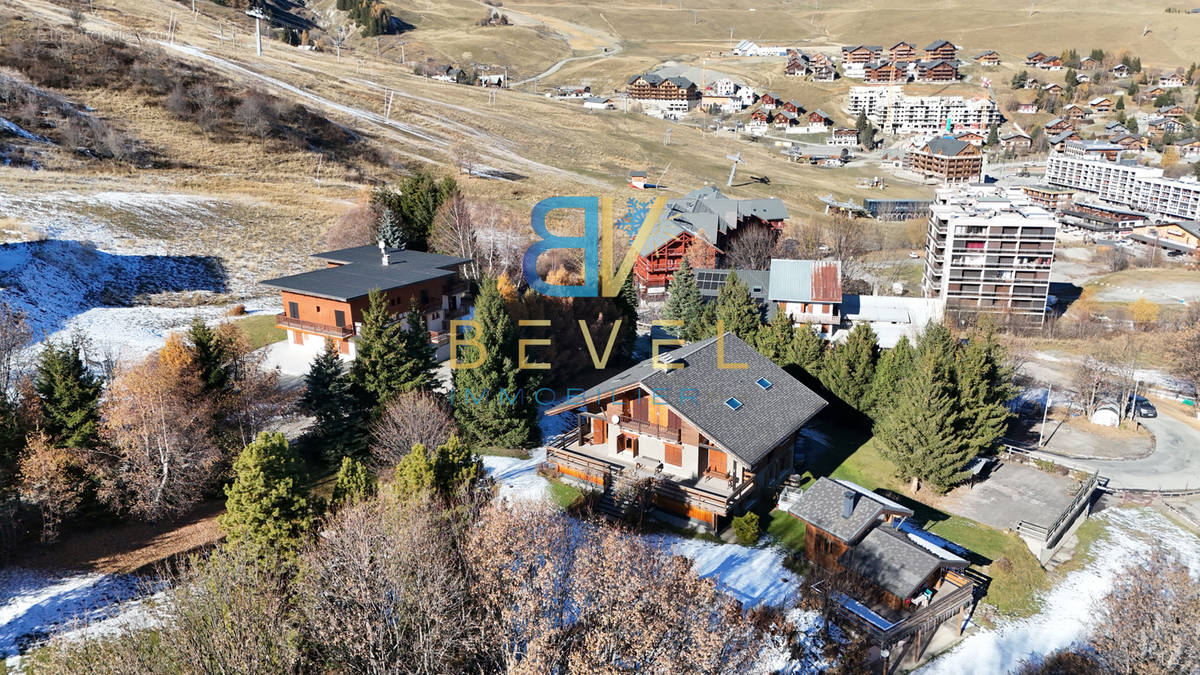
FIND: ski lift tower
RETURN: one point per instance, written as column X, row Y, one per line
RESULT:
column 736, row 159
column 258, row 17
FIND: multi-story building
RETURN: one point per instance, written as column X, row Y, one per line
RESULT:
column 894, row 112
column 941, row 49
column 1142, row 188
column 947, row 159
column 989, row 250
column 667, row 94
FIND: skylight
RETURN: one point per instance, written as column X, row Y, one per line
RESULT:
column 733, row 403
column 764, row 383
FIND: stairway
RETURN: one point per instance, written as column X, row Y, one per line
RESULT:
column 612, row 505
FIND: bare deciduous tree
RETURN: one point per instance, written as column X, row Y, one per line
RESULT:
column 14, row 333
column 410, row 418
column 752, row 248
column 356, row 227
column 501, row 237
column 454, row 232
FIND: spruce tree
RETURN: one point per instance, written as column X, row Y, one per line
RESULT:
column 69, row 395
column 893, row 368
column 353, row 484
column 684, row 303
column 211, row 355
column 937, row 341
column 920, row 434
column 1120, row 105
column 627, row 306
column 419, row 358
column 414, row 474
column 776, row 339
column 741, row 315
column 848, row 370
column 985, row 386
column 993, row 137
column 339, row 415
column 268, row 511
column 455, row 467
column 492, row 401
column 390, row 230
column 808, row 349
column 378, row 372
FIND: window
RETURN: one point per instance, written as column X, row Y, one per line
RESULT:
column 424, row 297
column 733, row 403
column 293, row 310
column 764, row 383
column 339, row 318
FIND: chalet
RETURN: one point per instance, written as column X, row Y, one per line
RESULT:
column 819, row 60
column 861, row 54
column 1051, row 199
column 818, row 122
column 946, row 159
column 1016, row 141
column 328, row 303
column 1157, row 126
column 673, row 94
column 902, row 52
column 768, row 101
column 843, row 137
column 1058, row 141
column 1058, row 125
column 761, row 114
column 1074, row 113
column 941, row 70
column 792, row 107
column 1119, row 71
column 1101, row 104
column 1053, row 88
column 1173, row 111
column 1180, row 236
column 826, row 73
column 988, row 59
column 848, row 528
column 1082, row 78
column 1027, row 108
column 785, row 119
column 1050, row 63
column 1033, row 83
column 1171, row 81
column 448, row 74
column 499, row 80
column 941, row 50
column 1152, row 93
column 1034, row 58
column 973, row 137
column 1088, row 63
column 1130, row 142
column 807, row 291
column 599, row 103
column 709, row 283
column 1101, row 218
column 797, row 68
column 705, row 220
column 1189, row 148
column 708, row 440
column 884, row 73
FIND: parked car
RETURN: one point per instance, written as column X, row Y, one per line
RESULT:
column 1142, row 407
column 914, row 254
column 1174, row 253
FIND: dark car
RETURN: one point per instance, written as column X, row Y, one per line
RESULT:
column 1143, row 408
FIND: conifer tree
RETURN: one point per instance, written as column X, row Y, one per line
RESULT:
column 414, row 474
column 211, row 356
column 455, row 467
column 808, row 349
column 69, row 396
column 985, row 386
column 937, row 341
column 390, row 230
column 268, row 511
column 419, row 358
column 378, row 372
column 741, row 315
column 1120, row 105
column 893, row 368
column 627, row 305
column 993, row 137
column 327, row 396
column 776, row 340
column 848, row 370
column 684, row 303
column 353, row 484
column 492, row 402
column 920, row 435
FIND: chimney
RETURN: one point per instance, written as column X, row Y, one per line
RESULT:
column 382, row 246
column 848, row 498
column 386, row 258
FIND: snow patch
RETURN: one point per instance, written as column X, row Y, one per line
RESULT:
column 518, row 478
column 12, row 128
column 754, row 576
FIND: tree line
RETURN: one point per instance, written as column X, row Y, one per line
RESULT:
column 934, row 405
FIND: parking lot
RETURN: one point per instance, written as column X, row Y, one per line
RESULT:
column 1011, row 493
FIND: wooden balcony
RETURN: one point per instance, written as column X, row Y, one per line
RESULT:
column 340, row 332
column 642, row 427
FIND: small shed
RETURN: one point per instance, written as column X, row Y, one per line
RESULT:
column 1107, row 415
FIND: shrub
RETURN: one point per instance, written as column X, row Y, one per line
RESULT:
column 237, row 310
column 746, row 529
column 1003, row 564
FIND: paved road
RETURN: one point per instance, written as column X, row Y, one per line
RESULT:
column 1174, row 464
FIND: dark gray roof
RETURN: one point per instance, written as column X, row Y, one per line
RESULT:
column 698, row 391
column 821, row 505
column 361, row 269
column 892, row 561
column 949, row 147
column 705, row 213
column 938, row 43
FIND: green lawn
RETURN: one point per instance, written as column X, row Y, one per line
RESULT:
column 788, row 529
column 261, row 330
column 563, row 495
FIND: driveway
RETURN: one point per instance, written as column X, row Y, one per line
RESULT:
column 1011, row 493
column 1174, row 464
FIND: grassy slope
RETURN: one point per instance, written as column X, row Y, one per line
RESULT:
column 261, row 330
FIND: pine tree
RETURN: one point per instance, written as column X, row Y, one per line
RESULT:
column 740, row 314
column 849, row 368
column 893, row 368
column 211, row 356
column 985, row 387
column 920, row 432
column 684, row 303
column 339, row 415
column 378, row 372
column 268, row 511
column 419, row 358
column 491, row 402
column 808, row 350
column 390, row 230
column 776, row 340
column 993, row 137
column 69, row 396
column 1120, row 105
column 627, row 306
column 414, row 473
column 353, row 484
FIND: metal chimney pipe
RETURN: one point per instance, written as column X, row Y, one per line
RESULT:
column 848, row 498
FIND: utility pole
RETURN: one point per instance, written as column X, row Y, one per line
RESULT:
column 1045, row 412
column 402, row 59
column 258, row 17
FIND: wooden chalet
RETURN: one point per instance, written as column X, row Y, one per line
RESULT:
column 1172, row 81
column 792, row 107
column 1119, row 71
column 946, row 159
column 988, row 59
column 1017, row 142
column 1152, row 93
column 707, row 222
column 1058, row 125
column 768, row 101
column 1074, row 113
column 1053, row 88
column 1130, row 142
column 941, row 50
column 1101, row 104
column 1157, row 126
column 1088, row 63
column 651, row 87
column 1174, row 111
column 903, row 52
column 941, row 70
column 973, row 137
column 797, row 68
column 1189, row 148
column 884, row 73
column 1034, row 58
column 707, row 440
column 861, row 53
column 1050, row 63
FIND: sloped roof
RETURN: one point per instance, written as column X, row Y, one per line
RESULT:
column 706, row 213
column 805, row 281
column 698, row 390
column 823, row 504
column 891, row 560
column 937, row 44
column 947, row 147
column 361, row 269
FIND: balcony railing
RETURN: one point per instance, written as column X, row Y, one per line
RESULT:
column 643, row 427
column 342, row 332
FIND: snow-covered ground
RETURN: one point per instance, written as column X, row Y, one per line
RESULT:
column 1067, row 608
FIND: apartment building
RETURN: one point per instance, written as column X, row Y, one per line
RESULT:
column 989, row 249
column 948, row 160
column 894, row 112
column 667, row 94
column 1142, row 188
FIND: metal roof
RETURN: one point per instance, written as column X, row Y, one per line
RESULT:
column 361, row 269
column 706, row 213
column 805, row 281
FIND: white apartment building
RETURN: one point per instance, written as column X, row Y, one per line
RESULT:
column 1142, row 188
column 894, row 112
column 989, row 250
